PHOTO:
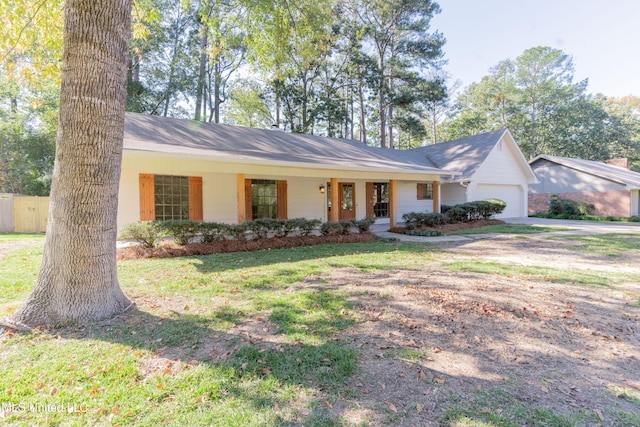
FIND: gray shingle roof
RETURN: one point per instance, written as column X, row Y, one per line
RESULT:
column 464, row 155
column 613, row 173
column 241, row 144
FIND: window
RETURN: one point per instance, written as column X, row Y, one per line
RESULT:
column 171, row 195
column 380, row 199
column 165, row 197
column 264, row 199
column 425, row 191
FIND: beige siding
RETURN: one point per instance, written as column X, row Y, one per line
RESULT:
column 501, row 176
column 219, row 186
column 501, row 167
column 408, row 201
column 453, row 194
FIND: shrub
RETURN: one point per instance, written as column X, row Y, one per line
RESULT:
column 146, row 233
column 568, row 209
column 482, row 209
column 364, row 224
column 237, row 231
column 182, row 232
column 458, row 213
column 284, row 227
column 329, row 227
column 306, row 226
column 494, row 207
column 635, row 218
column 345, row 226
column 423, row 219
column 212, row 231
column 260, row 227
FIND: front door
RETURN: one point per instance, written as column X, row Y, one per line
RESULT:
column 346, row 199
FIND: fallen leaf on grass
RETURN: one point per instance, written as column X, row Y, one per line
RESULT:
column 391, row 406
column 438, row 380
column 419, row 408
column 328, row 404
column 599, row 414
column 421, row 375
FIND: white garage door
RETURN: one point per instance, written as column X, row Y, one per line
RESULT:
column 511, row 194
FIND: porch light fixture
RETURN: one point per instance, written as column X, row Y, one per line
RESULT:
column 321, row 189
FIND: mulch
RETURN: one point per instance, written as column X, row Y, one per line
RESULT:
column 447, row 228
column 171, row 250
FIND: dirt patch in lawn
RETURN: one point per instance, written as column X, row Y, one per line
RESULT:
column 7, row 247
column 430, row 336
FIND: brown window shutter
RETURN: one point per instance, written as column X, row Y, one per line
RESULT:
column 147, row 202
column 420, row 191
column 369, row 195
column 248, row 215
column 195, row 198
column 282, row 199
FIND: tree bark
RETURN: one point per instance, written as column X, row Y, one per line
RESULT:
column 362, row 115
column 202, row 75
column 77, row 280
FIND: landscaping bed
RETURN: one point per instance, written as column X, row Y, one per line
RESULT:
column 224, row 246
column 448, row 228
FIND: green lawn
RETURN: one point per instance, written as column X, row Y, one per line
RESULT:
column 173, row 361
column 182, row 359
column 509, row 229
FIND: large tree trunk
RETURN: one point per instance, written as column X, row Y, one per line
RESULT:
column 77, row 280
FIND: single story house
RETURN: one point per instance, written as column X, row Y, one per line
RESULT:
column 611, row 187
column 488, row 165
column 179, row 169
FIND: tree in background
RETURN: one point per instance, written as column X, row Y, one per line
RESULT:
column 536, row 98
column 397, row 38
column 30, row 40
column 28, row 123
column 78, row 281
column 248, row 105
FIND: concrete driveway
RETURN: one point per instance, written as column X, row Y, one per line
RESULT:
column 571, row 228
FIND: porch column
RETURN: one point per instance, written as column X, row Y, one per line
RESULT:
column 436, row 196
column 334, row 215
column 392, row 202
column 242, row 207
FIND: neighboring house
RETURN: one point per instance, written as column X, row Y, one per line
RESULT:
column 488, row 165
column 613, row 190
column 179, row 169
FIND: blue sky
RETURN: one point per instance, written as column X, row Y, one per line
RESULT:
column 602, row 36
